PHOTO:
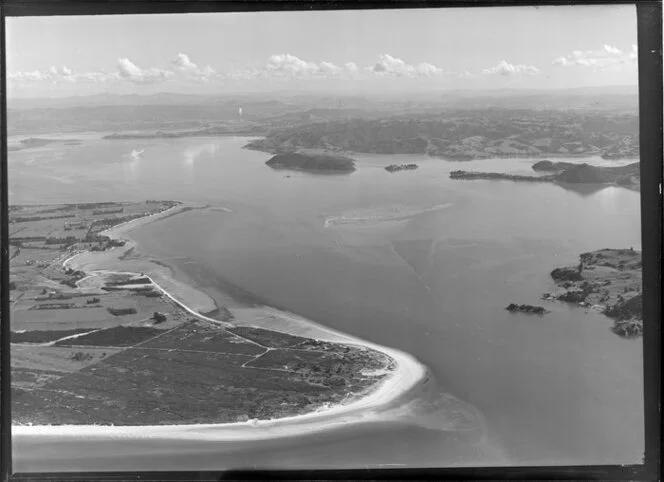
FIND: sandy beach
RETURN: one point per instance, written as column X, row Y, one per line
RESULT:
column 406, row 375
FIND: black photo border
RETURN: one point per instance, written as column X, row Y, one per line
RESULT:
column 649, row 18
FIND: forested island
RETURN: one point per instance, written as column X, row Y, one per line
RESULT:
column 312, row 162
column 471, row 175
column 401, row 167
column 528, row 309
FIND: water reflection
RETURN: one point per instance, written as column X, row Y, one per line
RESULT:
column 191, row 153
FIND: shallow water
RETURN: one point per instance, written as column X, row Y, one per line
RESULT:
column 434, row 283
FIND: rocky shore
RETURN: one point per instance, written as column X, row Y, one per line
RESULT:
column 609, row 281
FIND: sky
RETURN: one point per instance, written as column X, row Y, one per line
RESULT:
column 361, row 51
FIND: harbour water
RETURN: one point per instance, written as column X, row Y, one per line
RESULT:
column 421, row 263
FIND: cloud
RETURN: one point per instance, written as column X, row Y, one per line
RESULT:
column 32, row 76
column 389, row 65
column 126, row 71
column 287, row 66
column 351, row 67
column 191, row 70
column 634, row 54
column 329, row 69
column 504, row 68
column 183, row 63
column 57, row 75
column 290, row 64
column 607, row 56
column 129, row 71
column 427, row 69
column 63, row 71
column 465, row 74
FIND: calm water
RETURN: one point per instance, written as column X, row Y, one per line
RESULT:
column 557, row 389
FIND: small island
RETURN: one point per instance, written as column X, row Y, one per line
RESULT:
column 312, row 162
column 608, row 280
column 474, row 175
column 401, row 167
column 528, row 309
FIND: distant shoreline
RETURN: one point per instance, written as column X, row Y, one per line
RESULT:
column 259, row 134
column 534, row 157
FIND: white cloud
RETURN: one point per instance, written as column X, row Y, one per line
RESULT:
column 328, row 68
column 129, row 71
column 506, row 69
column 93, row 77
column 427, row 69
column 191, row 70
column 612, row 50
column 287, row 66
column 32, row 76
column 290, row 65
column 183, row 63
column 465, row 74
column 634, row 54
column 351, row 67
column 57, row 75
column 63, row 71
column 602, row 58
column 389, row 65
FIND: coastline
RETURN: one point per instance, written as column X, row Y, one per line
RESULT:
column 366, row 406
column 447, row 157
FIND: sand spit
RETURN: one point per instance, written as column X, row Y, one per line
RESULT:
column 407, row 372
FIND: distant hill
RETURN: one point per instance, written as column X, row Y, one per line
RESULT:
column 454, row 124
column 469, row 134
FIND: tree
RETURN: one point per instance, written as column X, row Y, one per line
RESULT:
column 158, row 317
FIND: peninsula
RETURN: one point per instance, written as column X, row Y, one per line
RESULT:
column 93, row 319
column 608, row 280
column 547, row 165
column 626, row 176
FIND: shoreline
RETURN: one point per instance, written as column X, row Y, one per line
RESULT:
column 365, row 406
column 539, row 156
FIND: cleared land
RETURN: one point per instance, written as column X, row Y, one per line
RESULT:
column 101, row 347
column 609, row 280
column 197, row 372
